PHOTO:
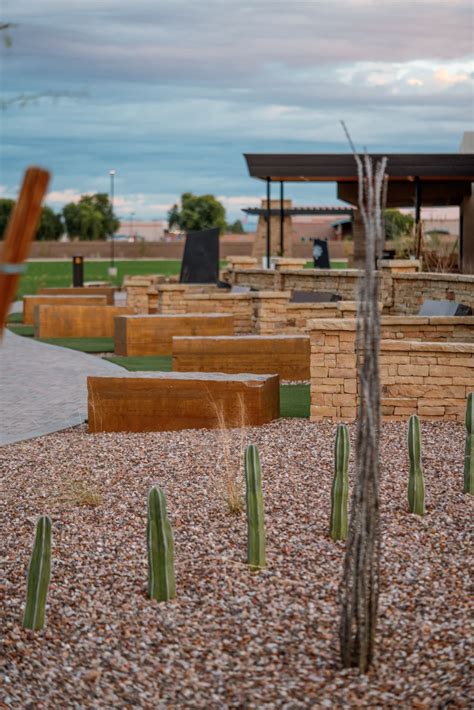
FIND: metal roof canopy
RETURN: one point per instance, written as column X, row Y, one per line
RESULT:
column 341, row 167
column 434, row 178
column 298, row 210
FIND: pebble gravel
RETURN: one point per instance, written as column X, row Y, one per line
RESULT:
column 232, row 638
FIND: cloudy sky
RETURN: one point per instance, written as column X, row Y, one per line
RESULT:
column 171, row 93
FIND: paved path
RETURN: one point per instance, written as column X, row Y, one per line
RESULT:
column 43, row 387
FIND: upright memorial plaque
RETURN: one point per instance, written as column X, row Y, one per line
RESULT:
column 200, row 263
column 321, row 254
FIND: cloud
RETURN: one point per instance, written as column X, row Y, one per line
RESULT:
column 63, row 196
column 172, row 93
column 446, row 78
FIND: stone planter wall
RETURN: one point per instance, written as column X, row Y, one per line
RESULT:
column 431, row 379
column 401, row 291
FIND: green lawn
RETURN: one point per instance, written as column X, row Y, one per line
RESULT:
column 15, row 318
column 20, row 329
column 42, row 274
column 163, row 363
column 294, row 399
column 85, row 345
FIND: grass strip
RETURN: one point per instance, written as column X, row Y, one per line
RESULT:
column 20, row 329
column 85, row 345
column 150, row 363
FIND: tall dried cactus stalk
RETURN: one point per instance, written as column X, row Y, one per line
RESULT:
column 360, row 584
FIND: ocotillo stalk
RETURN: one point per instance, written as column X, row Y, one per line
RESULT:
column 416, row 484
column 255, row 515
column 39, row 573
column 340, row 485
column 469, row 448
column 161, row 584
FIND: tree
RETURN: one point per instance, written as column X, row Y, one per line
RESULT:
column 236, row 227
column 6, row 207
column 50, row 226
column 360, row 584
column 91, row 218
column 197, row 212
column 398, row 224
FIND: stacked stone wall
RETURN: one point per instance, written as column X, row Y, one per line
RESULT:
column 431, row 379
column 240, row 305
column 401, row 291
column 408, row 291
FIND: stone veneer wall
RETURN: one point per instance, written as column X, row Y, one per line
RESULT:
column 240, row 305
column 401, row 292
column 428, row 379
column 170, row 298
column 408, row 291
column 433, row 329
column 431, row 379
column 258, row 312
column 341, row 281
column 274, row 314
column 137, row 287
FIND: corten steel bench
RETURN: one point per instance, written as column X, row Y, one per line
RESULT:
column 107, row 291
column 286, row 355
column 29, row 303
column 153, row 334
column 77, row 321
column 168, row 401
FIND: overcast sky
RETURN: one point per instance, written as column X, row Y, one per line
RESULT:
column 171, row 93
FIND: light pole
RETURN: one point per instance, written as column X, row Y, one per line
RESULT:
column 112, row 269
column 132, row 215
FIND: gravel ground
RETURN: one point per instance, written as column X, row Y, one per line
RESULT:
column 231, row 639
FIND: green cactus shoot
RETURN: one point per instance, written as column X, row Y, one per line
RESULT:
column 340, row 485
column 39, row 573
column 469, row 448
column 416, row 484
column 161, row 583
column 255, row 516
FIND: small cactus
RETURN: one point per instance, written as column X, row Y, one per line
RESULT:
column 340, row 485
column 39, row 573
column 469, row 448
column 255, row 515
column 161, row 584
column 416, row 484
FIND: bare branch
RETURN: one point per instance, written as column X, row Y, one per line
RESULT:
column 360, row 584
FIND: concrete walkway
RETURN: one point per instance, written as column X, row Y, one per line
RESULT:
column 43, row 387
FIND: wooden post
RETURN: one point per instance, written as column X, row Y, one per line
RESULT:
column 19, row 233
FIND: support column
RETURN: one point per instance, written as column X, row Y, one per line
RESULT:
column 417, row 217
column 358, row 237
column 467, row 235
column 269, row 219
column 282, row 219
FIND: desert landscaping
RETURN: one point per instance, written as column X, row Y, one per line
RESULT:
column 237, row 355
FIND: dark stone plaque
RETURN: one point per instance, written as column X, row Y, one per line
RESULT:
column 314, row 297
column 444, row 308
column 321, row 254
column 200, row 263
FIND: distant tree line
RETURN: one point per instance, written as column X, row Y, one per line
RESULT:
column 201, row 212
column 92, row 218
